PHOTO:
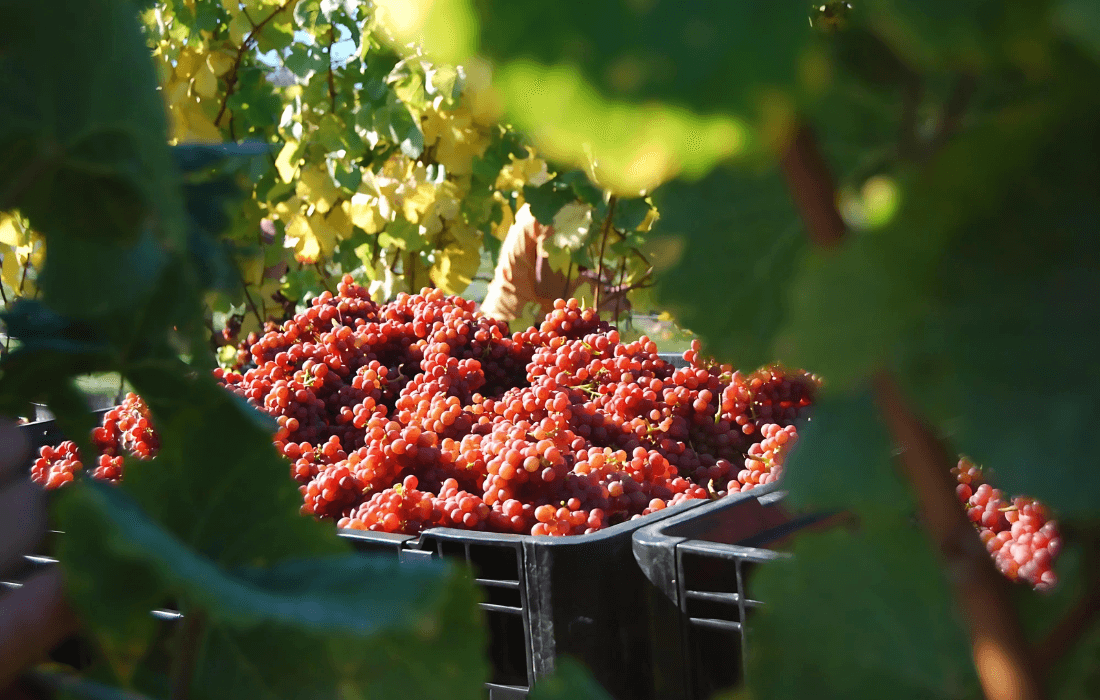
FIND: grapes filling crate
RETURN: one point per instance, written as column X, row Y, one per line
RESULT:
column 424, row 429
column 698, row 567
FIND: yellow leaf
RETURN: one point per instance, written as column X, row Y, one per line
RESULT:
column 239, row 28
column 219, row 62
column 11, row 272
column 11, row 231
column 313, row 236
column 455, row 268
column 315, row 185
column 287, row 162
column 199, row 126
column 288, row 208
column 651, row 217
column 416, row 205
column 363, row 212
column 206, row 83
column 252, row 270
column 338, row 220
column 186, row 64
column 501, row 230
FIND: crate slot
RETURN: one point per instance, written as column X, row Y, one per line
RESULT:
column 496, row 563
column 39, row 560
column 507, row 649
column 509, row 597
column 717, row 653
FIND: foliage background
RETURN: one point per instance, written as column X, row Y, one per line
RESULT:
column 958, row 141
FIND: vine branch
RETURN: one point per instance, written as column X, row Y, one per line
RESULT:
column 811, row 186
column 231, row 76
column 1002, row 658
column 611, row 202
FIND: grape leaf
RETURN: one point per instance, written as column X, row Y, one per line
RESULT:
column 630, row 213
column 570, row 679
column 207, row 438
column 741, row 240
column 88, row 133
column 843, row 461
column 856, row 613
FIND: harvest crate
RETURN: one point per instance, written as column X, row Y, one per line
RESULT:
column 697, row 565
column 546, row 597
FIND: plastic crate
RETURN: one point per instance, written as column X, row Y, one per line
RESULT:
column 697, row 565
column 547, row 597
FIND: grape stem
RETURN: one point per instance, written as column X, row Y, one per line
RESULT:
column 1002, row 658
column 811, row 186
column 611, row 202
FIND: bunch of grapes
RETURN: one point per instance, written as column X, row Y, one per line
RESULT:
column 424, row 413
column 1018, row 532
column 127, row 429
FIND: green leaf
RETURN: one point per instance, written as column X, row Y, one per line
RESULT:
column 214, row 456
column 705, row 55
column 982, row 363
column 570, row 680
column 630, row 213
column 843, row 461
column 437, row 653
column 547, row 199
column 1080, row 21
column 395, row 122
column 89, row 133
column 194, row 157
column 319, row 595
column 88, row 278
column 857, row 613
column 724, row 249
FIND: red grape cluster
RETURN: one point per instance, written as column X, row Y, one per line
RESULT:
column 1018, row 532
column 126, row 429
column 425, row 413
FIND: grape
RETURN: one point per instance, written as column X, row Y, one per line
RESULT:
column 422, row 412
column 1018, row 532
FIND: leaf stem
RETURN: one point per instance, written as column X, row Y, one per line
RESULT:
column 611, row 202
column 251, row 304
column 1003, row 661
column 331, row 81
column 189, row 639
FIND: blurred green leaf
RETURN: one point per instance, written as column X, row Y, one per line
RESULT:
column 737, row 241
column 213, row 458
column 843, row 461
column 630, row 213
column 89, row 133
column 570, row 680
column 856, row 614
column 320, row 595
